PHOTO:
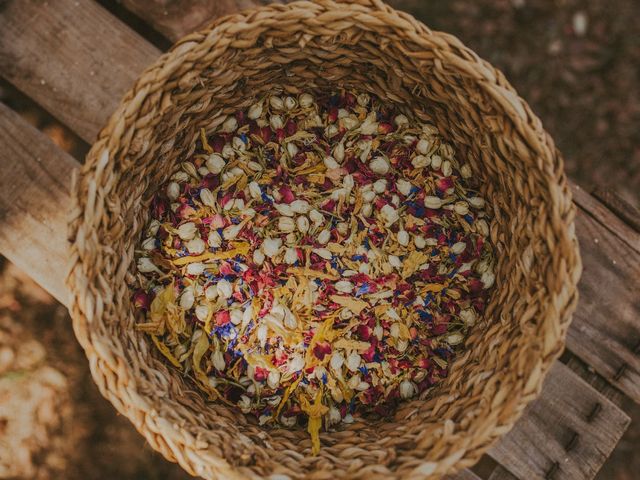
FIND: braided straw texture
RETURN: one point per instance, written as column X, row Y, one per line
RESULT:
column 312, row 46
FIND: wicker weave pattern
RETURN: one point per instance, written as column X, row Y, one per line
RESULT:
column 314, row 45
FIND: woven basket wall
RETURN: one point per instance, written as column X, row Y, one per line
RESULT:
column 312, row 46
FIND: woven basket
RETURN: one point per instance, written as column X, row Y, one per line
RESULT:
column 313, row 46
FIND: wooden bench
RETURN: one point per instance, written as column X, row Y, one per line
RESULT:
column 76, row 59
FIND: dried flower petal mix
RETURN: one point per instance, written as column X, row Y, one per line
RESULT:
column 315, row 260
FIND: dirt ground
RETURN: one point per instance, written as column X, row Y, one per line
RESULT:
column 576, row 62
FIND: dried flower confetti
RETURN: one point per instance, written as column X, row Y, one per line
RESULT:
column 315, row 260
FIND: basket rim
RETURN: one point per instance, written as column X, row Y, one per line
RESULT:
column 85, row 305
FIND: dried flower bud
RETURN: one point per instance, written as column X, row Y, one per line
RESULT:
column 458, row 247
column 290, row 103
column 476, row 202
column 432, row 202
column 403, row 238
column 419, row 242
column 344, row 286
column 461, row 208
column 306, row 100
column 195, row 246
column 173, row 190
column 380, row 186
column 395, row 261
column 316, row 217
column 286, row 224
column 258, row 257
column 230, row 124
column 420, row 161
column 379, row 165
column 331, row 163
column 276, row 122
column 407, row 389
column 353, row 361
column 303, row 224
column 195, row 269
column 468, row 316
column 215, row 163
column 323, row 237
column 465, row 171
column 149, row 244
column 401, row 121
column 187, row 231
column 363, row 99
column 389, row 214
column 436, row 161
column 225, row 289
column 290, row 256
column 255, row 111
column 217, row 358
column 202, row 312
column 271, row 246
column 232, row 231
column 211, row 293
column 423, row 146
column 367, row 210
column 214, row 239
column 207, row 198
column 187, row 298
column 276, row 102
column 404, row 187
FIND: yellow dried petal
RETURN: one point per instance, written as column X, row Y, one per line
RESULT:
column 240, row 248
column 353, row 304
column 164, row 350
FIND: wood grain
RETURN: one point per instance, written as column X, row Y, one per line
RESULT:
column 624, row 210
column 34, row 194
column 560, row 433
column 83, row 101
column 605, row 332
column 501, row 473
column 463, row 475
column 72, row 57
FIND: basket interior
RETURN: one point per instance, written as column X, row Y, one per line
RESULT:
column 506, row 353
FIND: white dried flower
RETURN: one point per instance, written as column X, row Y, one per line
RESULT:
column 395, row 261
column 436, row 161
column 403, row 238
column 420, row 161
column 432, row 202
column 369, row 195
column 195, row 268
column 187, row 298
column 447, row 170
column 218, row 360
column 423, row 146
column 458, row 247
column 284, row 209
column 232, row 231
column 290, row 103
column 300, row 206
column 271, row 246
column 338, row 152
column 334, row 416
column 488, row 279
column 468, row 316
column 290, row 256
column 401, row 120
column 380, row 186
column 286, row 224
column 302, row 223
column 254, row 190
column 276, row 102
column 389, row 215
column 255, row 111
column 363, row 99
column 454, row 338
column 215, row 163
column 367, row 209
column 236, row 316
column 404, row 187
column 370, row 125
column 353, row 361
column 323, row 253
column 344, row 286
column 254, row 166
column 378, row 331
column 173, row 190
column 379, row 165
column 230, row 124
column 276, row 122
column 407, row 389
column 465, row 171
column 225, row 289
column 296, row 363
column 211, row 293
column 187, row 231
column 149, row 243
column 461, row 208
column 292, row 149
column 195, row 246
column 476, row 202
column 324, row 236
column 316, row 217
column 419, row 242
column 202, row 312
column 306, row 100
column 258, row 257
column 331, row 163
column 207, row 198
column 273, row 379
column 214, row 239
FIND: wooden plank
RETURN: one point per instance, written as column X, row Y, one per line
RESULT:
column 605, row 332
column 603, row 215
column 72, row 57
column 463, row 475
column 34, row 197
column 589, row 375
column 567, row 433
column 624, row 210
column 501, row 473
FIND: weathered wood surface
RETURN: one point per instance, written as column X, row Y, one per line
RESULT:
column 72, row 42
column 72, row 57
column 605, row 332
column 34, row 193
column 570, row 430
column 463, row 475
